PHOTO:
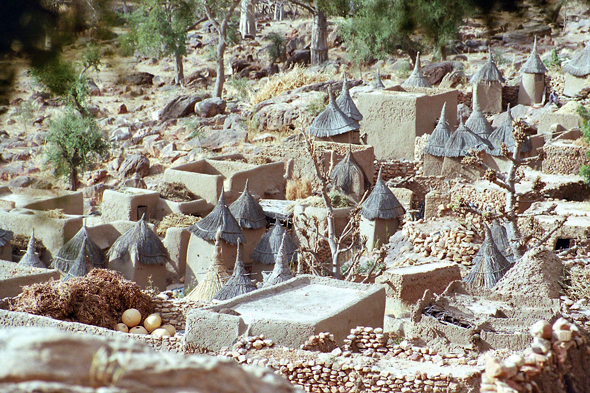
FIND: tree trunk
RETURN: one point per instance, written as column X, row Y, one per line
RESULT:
column 220, row 61
column 247, row 19
column 278, row 10
column 73, row 178
column 319, row 38
column 443, row 53
column 179, row 70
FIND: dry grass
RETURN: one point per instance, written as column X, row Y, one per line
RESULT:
column 175, row 220
column 98, row 299
column 284, row 81
column 176, row 192
column 581, row 142
column 298, row 189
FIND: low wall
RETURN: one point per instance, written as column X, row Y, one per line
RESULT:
column 565, row 158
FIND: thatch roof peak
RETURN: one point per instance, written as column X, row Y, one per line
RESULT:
column 477, row 122
column 504, row 134
column 269, row 244
column 332, row 121
column 440, row 135
column 580, row 65
column 67, row 254
column 141, row 243
column 417, row 78
column 247, row 211
column 500, row 237
column 488, row 72
column 239, row 283
column 463, row 140
column 30, row 258
column 348, row 175
column 489, row 264
column 79, row 268
column 534, row 64
column 381, row 203
column 220, row 217
column 281, row 272
column 5, row 236
column 346, row 104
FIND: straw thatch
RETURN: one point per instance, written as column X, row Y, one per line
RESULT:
column 30, row 258
column 140, row 243
column 439, row 136
column 346, row 103
column 79, row 268
column 489, row 264
column 381, row 203
column 5, row 237
column 534, row 64
column 282, row 271
column 68, row 253
column 332, row 121
column 462, row 141
column 500, row 237
column 239, row 283
column 348, row 175
column 477, row 122
column 377, row 83
column 504, row 134
column 215, row 277
column 417, row 78
column 247, row 211
column 488, row 73
column 580, row 64
column 268, row 247
column 220, row 217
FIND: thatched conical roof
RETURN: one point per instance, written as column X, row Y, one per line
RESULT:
column 282, row 271
column 488, row 72
column 504, row 134
column 477, row 122
column 348, row 175
column 417, row 79
column 267, row 248
column 30, row 258
column 5, row 237
column 142, row 243
column 462, row 141
column 215, row 277
column 534, row 64
column 440, row 135
column 345, row 102
column 239, row 283
column 381, row 203
column 79, row 267
column 332, row 121
column 489, row 265
column 580, row 64
column 500, row 237
column 247, row 211
column 220, row 217
column 69, row 251
column 377, row 82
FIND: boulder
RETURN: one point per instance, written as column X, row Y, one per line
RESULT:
column 136, row 163
column 435, row 72
column 224, row 138
column 182, row 106
column 210, row 107
column 301, row 57
column 137, row 79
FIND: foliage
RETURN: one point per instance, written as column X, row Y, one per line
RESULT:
column 193, row 127
column 26, row 112
column 554, row 63
column 74, row 142
column 584, row 113
column 277, row 50
column 499, row 58
column 239, row 86
column 316, row 106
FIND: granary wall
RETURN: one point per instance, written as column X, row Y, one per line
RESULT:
column 532, row 89
column 489, row 96
column 573, row 84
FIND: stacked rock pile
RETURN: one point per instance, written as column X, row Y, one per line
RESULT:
column 367, row 340
column 321, row 342
column 173, row 310
column 547, row 353
column 457, row 245
column 395, row 168
column 494, row 199
column 162, row 343
column 577, row 311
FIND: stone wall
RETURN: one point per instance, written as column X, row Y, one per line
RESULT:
column 396, row 168
column 565, row 159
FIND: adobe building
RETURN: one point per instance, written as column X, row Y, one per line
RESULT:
column 334, row 125
column 434, row 151
column 577, row 73
column 487, row 84
column 348, row 177
column 532, row 85
column 393, row 119
column 461, row 143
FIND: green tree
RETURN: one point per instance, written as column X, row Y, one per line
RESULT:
column 74, row 142
column 159, row 28
column 584, row 113
column 219, row 13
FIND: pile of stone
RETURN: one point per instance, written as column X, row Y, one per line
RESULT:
column 547, row 354
column 495, row 199
column 321, row 342
column 577, row 311
column 458, row 245
column 162, row 343
column 173, row 310
column 396, row 168
column 367, row 340
column 252, row 342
